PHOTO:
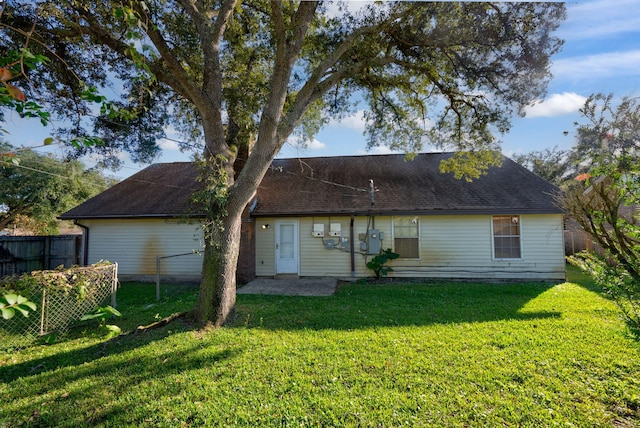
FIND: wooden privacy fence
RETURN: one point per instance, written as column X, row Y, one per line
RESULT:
column 576, row 241
column 20, row 254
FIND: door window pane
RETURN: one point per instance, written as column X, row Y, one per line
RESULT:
column 286, row 242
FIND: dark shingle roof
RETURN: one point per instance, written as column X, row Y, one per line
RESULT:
column 338, row 185
column 160, row 190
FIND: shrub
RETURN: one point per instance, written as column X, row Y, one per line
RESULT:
column 378, row 263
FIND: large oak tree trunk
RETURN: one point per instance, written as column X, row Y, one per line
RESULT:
column 216, row 303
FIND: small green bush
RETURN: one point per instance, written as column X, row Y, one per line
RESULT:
column 378, row 264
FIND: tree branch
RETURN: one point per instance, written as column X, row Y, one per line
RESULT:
column 269, row 140
column 177, row 76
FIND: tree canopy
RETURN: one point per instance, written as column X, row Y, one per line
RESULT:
column 240, row 78
column 604, row 198
column 607, row 135
column 553, row 164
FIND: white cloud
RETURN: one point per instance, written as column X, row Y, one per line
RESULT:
column 171, row 142
column 315, row 145
column 355, row 121
column 556, row 105
column 168, row 144
column 174, row 142
column 600, row 18
column 379, row 150
column 298, row 143
column 608, row 64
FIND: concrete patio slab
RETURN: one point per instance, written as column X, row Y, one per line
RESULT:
column 291, row 287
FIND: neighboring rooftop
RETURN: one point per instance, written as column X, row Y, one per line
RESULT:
column 336, row 186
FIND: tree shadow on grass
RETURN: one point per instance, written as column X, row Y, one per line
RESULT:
column 78, row 357
column 132, row 298
column 357, row 306
column 103, row 374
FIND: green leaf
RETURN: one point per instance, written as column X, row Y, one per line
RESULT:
column 92, row 316
column 101, row 313
column 113, row 328
column 7, row 313
column 22, row 310
column 48, row 141
column 111, row 311
column 11, row 298
column 21, row 299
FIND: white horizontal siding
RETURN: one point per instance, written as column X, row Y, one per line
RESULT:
column 543, row 243
column 450, row 247
column 455, row 240
column 265, row 247
column 461, row 247
column 316, row 259
column 134, row 244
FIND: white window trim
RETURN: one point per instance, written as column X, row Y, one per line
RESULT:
column 493, row 246
column 393, row 237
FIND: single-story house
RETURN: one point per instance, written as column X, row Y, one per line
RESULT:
column 328, row 216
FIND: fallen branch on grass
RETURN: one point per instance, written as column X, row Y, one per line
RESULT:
column 158, row 324
column 141, row 329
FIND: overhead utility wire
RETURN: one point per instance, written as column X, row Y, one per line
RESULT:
column 87, row 181
column 331, row 183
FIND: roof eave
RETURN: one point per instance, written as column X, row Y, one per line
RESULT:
column 129, row 216
column 483, row 211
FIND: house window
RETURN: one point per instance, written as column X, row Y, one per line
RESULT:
column 405, row 237
column 506, row 237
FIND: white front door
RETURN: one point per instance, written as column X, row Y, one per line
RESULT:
column 287, row 247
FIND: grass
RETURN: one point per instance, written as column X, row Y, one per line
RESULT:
column 441, row 354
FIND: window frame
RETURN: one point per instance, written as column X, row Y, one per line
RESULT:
column 418, row 238
column 494, row 236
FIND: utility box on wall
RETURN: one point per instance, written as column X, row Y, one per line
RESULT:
column 318, row 230
column 371, row 242
column 375, row 241
column 335, row 229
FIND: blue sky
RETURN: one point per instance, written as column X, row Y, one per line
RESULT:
column 601, row 54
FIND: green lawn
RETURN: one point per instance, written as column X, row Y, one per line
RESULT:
column 372, row 355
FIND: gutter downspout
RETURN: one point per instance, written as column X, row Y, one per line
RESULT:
column 85, row 244
column 351, row 248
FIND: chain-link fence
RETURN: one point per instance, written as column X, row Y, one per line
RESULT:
column 62, row 297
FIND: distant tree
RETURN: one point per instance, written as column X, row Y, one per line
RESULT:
column 242, row 77
column 554, row 165
column 607, row 137
column 39, row 187
column 611, row 135
column 605, row 199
